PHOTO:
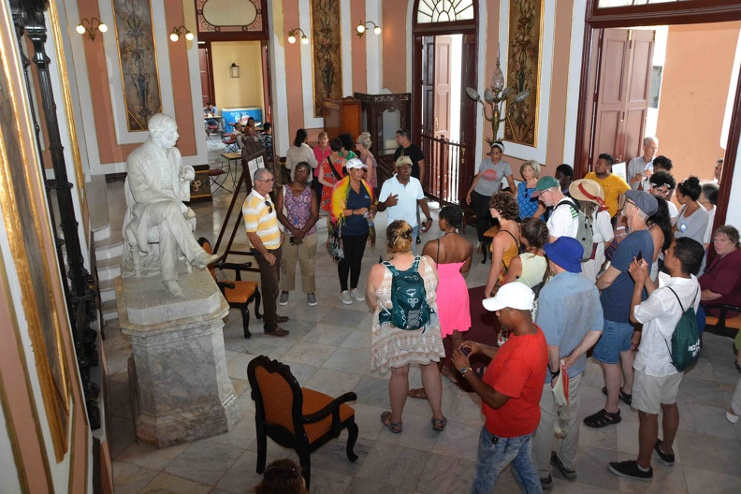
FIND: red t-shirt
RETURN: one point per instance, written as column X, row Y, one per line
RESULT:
column 723, row 276
column 518, row 371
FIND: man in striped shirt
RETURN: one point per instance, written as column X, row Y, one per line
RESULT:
column 261, row 224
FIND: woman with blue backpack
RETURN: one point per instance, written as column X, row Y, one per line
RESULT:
column 405, row 329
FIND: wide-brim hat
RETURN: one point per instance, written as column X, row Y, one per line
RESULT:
column 515, row 295
column 587, row 190
column 566, row 252
column 403, row 160
column 355, row 163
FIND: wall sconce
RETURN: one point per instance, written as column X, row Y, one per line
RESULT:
column 292, row 36
column 234, row 71
column 178, row 31
column 362, row 26
column 90, row 26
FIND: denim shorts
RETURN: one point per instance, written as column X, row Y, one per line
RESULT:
column 615, row 339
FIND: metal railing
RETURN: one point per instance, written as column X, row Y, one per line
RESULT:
column 446, row 176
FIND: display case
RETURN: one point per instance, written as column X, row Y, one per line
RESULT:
column 342, row 116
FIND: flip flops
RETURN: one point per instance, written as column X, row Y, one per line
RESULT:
column 418, row 393
column 394, row 427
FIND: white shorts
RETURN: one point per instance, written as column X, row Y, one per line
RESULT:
column 650, row 392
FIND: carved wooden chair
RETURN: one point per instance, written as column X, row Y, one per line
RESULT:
column 238, row 293
column 294, row 417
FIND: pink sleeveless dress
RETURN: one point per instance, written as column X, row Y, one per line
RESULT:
column 453, row 305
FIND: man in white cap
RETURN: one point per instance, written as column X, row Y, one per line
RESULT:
column 401, row 194
column 510, row 390
column 570, row 315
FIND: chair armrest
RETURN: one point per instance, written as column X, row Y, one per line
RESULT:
column 238, row 268
column 225, row 284
column 332, row 407
column 724, row 308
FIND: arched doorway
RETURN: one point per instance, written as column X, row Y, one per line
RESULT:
column 444, row 63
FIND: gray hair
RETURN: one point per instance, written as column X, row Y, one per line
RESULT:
column 648, row 140
column 365, row 140
column 160, row 122
column 534, row 166
column 262, row 173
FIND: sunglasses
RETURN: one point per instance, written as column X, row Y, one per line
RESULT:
column 270, row 206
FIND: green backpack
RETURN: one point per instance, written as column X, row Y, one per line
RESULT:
column 408, row 298
column 686, row 343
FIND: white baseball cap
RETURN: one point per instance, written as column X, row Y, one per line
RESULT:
column 515, row 295
column 355, row 163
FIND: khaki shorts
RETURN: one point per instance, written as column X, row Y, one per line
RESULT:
column 650, row 392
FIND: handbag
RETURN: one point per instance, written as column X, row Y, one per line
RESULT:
column 334, row 243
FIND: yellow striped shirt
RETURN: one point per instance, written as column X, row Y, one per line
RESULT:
column 259, row 217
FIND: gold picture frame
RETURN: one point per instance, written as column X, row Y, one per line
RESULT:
column 26, row 221
column 524, row 60
column 326, row 55
column 137, row 57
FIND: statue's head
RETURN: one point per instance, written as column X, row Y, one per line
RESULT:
column 163, row 130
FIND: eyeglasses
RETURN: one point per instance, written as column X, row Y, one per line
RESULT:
column 268, row 180
column 628, row 201
column 270, row 206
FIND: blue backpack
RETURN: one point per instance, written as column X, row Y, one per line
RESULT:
column 408, row 298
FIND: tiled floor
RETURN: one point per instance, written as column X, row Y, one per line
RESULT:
column 328, row 350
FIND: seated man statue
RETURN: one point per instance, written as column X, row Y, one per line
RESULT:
column 157, row 226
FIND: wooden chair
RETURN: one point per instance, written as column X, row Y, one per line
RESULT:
column 294, row 417
column 231, row 143
column 723, row 325
column 238, row 293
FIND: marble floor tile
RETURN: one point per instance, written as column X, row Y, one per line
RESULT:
column 327, row 335
column 591, row 467
column 373, row 391
column 242, row 476
column 204, row 461
column 709, row 452
column 458, row 440
column 149, row 457
column 314, row 354
column 363, row 486
column 129, row 478
column 328, row 482
column 700, row 481
column 332, row 382
column 166, row 483
column 241, row 435
column 359, row 339
column 367, row 418
column 446, row 475
column 349, row 360
column 708, row 420
column 332, row 456
column 344, row 317
column 123, row 435
column 417, row 434
column 393, row 464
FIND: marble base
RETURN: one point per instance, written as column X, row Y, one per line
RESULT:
column 179, row 384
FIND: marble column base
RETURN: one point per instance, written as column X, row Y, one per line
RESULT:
column 177, row 374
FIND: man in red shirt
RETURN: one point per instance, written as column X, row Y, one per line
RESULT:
column 510, row 391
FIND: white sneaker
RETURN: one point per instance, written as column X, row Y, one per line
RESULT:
column 732, row 417
column 357, row 295
column 345, row 298
column 283, row 299
column 312, row 300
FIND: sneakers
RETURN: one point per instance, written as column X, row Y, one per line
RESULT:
column 283, row 299
column 667, row 458
column 631, row 470
column 345, row 297
column 731, row 417
column 547, row 483
column 558, row 465
column 357, row 295
column 312, row 300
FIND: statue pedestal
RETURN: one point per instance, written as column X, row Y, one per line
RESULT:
column 177, row 374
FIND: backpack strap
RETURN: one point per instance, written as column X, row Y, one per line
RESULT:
column 680, row 302
column 391, row 268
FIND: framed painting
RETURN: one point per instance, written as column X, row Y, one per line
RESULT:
column 138, row 60
column 525, row 53
column 326, row 52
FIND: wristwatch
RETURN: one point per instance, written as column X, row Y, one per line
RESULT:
column 463, row 370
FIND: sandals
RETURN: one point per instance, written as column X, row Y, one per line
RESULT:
column 418, row 393
column 438, row 425
column 602, row 418
column 450, row 374
column 624, row 397
column 394, row 427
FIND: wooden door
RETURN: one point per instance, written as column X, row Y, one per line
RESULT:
column 266, row 83
column 624, row 83
column 207, row 87
column 443, row 60
column 428, row 84
column 469, row 76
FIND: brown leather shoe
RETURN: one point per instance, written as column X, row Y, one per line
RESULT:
column 282, row 319
column 278, row 331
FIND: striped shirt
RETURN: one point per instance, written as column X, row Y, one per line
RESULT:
column 259, row 217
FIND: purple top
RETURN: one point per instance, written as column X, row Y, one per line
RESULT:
column 298, row 208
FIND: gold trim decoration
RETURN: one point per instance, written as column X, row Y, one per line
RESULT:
column 326, row 52
column 22, row 199
column 137, row 57
column 524, row 60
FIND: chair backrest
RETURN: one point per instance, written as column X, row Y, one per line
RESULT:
column 277, row 394
column 206, row 245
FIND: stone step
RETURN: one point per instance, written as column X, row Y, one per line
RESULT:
column 110, row 310
column 110, row 246
column 109, row 268
column 107, row 290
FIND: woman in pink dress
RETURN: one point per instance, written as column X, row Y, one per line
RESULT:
column 321, row 153
column 332, row 172
column 452, row 255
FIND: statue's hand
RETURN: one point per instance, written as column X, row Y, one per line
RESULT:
column 187, row 174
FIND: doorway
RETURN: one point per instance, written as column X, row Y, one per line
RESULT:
column 600, row 20
column 444, row 63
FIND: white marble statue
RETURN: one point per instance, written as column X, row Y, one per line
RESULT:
column 158, row 228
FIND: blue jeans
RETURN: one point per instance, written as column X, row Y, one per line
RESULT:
column 415, row 234
column 614, row 340
column 493, row 458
